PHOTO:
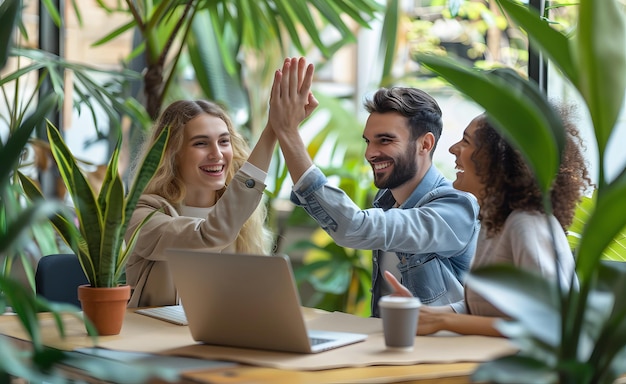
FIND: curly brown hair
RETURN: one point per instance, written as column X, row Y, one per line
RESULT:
column 510, row 183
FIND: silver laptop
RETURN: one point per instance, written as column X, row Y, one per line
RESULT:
column 248, row 301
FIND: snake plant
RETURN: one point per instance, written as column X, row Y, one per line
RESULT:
column 102, row 218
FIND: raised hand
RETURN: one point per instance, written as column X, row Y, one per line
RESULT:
column 291, row 99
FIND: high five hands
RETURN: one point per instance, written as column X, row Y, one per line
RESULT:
column 291, row 99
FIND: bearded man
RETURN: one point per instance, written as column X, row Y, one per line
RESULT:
column 421, row 229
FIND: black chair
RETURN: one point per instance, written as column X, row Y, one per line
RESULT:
column 57, row 278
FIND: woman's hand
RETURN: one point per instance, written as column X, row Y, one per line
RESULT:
column 291, row 99
column 431, row 320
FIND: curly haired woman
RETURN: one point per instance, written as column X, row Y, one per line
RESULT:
column 514, row 228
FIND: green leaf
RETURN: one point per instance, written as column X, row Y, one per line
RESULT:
column 45, row 237
column 520, row 111
column 52, row 12
column 19, row 227
column 111, row 175
column 115, row 33
column 63, row 224
column 526, row 297
column 147, row 169
column 600, row 40
column 583, row 211
column 212, row 74
column 509, row 369
column 389, row 38
column 550, row 42
column 605, row 223
column 616, row 250
column 121, row 261
column 87, row 208
column 612, row 278
column 112, row 236
column 9, row 10
column 25, row 307
column 12, row 150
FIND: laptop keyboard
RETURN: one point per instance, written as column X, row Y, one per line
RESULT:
column 170, row 313
column 318, row 340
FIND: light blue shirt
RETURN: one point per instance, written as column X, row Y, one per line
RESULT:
column 433, row 233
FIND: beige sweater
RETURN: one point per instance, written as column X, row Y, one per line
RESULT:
column 525, row 241
column 147, row 272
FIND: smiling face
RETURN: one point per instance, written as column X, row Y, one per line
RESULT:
column 390, row 151
column 204, row 159
column 467, row 178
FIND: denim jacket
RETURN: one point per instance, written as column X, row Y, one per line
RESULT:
column 433, row 232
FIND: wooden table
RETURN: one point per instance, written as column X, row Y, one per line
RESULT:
column 142, row 333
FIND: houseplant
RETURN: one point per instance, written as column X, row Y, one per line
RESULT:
column 564, row 336
column 38, row 363
column 214, row 35
column 98, row 241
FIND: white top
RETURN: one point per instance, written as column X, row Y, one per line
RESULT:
column 525, row 242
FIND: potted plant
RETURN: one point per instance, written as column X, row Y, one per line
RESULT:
column 36, row 364
column 102, row 219
column 564, row 336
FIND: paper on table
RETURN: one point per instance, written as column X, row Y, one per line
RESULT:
column 428, row 349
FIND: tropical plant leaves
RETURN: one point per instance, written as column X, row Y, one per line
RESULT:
column 99, row 240
column 509, row 369
column 616, row 250
column 603, row 226
column 521, row 112
column 600, row 52
column 553, row 44
column 9, row 11
column 536, row 299
column 592, row 331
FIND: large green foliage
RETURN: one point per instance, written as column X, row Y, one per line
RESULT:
column 102, row 219
column 171, row 28
column 578, row 335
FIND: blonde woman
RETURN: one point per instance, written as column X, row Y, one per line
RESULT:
column 206, row 194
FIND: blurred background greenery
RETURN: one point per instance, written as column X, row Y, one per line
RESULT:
column 114, row 64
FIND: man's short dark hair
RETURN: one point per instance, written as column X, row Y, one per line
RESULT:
column 421, row 109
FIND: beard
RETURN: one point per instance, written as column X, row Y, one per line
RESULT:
column 405, row 168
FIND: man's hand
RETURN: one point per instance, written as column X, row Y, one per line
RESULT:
column 398, row 288
column 291, row 99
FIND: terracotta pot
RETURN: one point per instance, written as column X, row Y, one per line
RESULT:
column 105, row 307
